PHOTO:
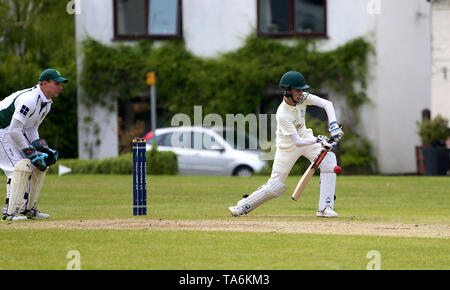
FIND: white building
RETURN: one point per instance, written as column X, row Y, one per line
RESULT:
column 440, row 52
column 399, row 73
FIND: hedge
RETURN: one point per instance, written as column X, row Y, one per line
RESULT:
column 158, row 163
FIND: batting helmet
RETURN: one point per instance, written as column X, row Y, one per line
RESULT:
column 293, row 80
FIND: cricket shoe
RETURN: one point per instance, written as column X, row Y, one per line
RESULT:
column 236, row 210
column 35, row 214
column 13, row 217
column 5, row 210
column 327, row 213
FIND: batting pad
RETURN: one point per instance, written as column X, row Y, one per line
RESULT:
column 36, row 182
column 19, row 182
column 327, row 188
column 263, row 194
column 327, row 181
column 328, row 163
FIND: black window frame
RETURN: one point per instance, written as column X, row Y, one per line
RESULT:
column 291, row 24
column 118, row 36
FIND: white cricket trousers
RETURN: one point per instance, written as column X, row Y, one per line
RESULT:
column 9, row 154
column 285, row 159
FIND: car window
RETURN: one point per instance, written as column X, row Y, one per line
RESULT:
column 240, row 140
column 180, row 139
column 205, row 141
column 156, row 139
column 165, row 140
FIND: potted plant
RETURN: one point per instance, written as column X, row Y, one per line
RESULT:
column 434, row 133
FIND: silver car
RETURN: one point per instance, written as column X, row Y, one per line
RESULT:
column 203, row 151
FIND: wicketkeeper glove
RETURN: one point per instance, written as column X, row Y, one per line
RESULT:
column 42, row 146
column 37, row 158
column 336, row 131
column 326, row 143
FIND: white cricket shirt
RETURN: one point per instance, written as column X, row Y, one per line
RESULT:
column 291, row 120
column 29, row 106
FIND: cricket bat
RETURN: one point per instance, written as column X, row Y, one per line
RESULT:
column 308, row 174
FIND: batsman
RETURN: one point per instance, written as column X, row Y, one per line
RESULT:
column 24, row 156
column 293, row 140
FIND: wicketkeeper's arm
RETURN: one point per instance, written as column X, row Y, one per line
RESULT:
column 16, row 133
column 32, row 134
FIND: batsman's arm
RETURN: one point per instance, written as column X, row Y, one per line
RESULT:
column 326, row 143
column 334, row 129
column 325, row 104
column 302, row 141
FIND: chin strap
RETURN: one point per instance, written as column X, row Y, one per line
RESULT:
column 288, row 94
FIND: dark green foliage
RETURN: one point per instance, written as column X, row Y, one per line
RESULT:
column 434, row 131
column 158, row 163
column 161, row 162
column 355, row 155
column 235, row 82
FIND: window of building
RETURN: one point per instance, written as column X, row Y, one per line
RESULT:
column 281, row 18
column 147, row 19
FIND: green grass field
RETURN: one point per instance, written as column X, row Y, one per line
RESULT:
column 390, row 204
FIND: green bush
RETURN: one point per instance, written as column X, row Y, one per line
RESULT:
column 162, row 162
column 434, row 131
column 158, row 163
column 355, row 155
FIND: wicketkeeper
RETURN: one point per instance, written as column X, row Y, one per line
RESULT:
column 293, row 140
column 24, row 156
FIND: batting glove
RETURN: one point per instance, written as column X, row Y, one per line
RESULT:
column 326, row 143
column 336, row 131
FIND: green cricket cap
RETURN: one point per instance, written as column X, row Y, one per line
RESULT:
column 52, row 74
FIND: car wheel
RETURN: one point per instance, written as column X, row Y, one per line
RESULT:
column 243, row 171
